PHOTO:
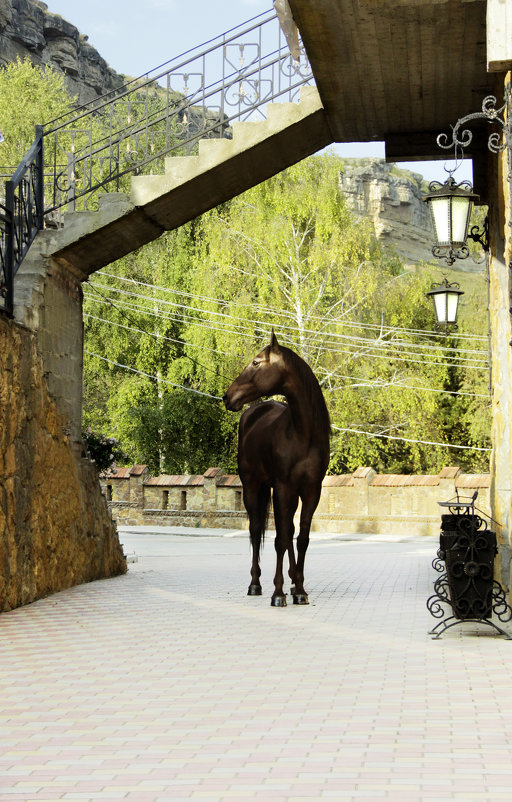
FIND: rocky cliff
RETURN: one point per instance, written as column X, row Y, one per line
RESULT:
column 28, row 29
column 392, row 199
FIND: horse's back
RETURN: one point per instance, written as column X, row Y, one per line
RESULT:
column 261, row 415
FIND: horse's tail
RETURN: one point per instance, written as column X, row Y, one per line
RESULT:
column 264, row 509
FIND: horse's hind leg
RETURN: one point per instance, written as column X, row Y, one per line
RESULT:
column 285, row 504
column 256, row 503
column 310, row 500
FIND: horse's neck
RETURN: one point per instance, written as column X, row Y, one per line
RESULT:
column 306, row 414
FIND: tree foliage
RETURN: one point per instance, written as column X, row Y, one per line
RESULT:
column 29, row 96
column 188, row 311
column 168, row 327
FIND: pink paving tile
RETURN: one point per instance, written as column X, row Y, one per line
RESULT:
column 346, row 724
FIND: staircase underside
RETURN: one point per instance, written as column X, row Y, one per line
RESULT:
column 191, row 185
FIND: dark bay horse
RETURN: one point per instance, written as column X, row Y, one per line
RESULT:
column 283, row 447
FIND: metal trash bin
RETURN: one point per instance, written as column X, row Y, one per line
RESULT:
column 465, row 559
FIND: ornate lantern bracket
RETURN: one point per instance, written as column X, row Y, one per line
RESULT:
column 451, row 203
column 462, row 137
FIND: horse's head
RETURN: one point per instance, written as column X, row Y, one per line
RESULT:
column 263, row 376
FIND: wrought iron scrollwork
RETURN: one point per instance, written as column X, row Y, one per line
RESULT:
column 467, row 588
column 481, row 237
column 21, row 217
column 462, row 137
column 454, row 253
column 132, row 129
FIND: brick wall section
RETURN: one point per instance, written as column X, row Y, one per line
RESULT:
column 361, row 502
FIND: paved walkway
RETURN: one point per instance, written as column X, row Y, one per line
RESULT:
column 170, row 683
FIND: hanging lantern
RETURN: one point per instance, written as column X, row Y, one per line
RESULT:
column 450, row 207
column 445, row 298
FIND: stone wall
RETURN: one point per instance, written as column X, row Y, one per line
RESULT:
column 361, row 502
column 55, row 527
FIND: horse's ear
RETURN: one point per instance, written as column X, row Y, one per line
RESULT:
column 274, row 345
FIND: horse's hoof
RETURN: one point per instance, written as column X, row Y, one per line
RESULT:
column 278, row 601
column 300, row 598
column 254, row 590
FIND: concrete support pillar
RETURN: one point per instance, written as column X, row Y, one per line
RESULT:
column 500, row 294
column 48, row 301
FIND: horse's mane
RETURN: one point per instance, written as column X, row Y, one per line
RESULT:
column 311, row 389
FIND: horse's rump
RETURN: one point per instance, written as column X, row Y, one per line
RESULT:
column 259, row 430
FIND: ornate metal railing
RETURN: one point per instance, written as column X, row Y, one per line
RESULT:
column 21, row 217
column 132, row 129
column 6, row 271
column 194, row 96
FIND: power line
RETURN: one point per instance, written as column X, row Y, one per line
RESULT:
column 151, row 376
column 425, row 358
column 337, row 428
column 378, row 383
column 155, row 335
column 192, row 359
column 408, row 440
column 358, row 341
column 283, row 313
column 194, row 296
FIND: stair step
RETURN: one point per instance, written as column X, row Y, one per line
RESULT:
column 213, row 152
column 248, row 132
column 309, row 94
column 180, row 167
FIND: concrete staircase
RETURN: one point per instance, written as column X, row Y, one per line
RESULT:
column 190, row 186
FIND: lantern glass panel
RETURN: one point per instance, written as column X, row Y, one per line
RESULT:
column 440, row 208
column 452, row 302
column 440, row 306
column 461, row 210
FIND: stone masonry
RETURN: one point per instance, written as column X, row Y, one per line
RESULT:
column 361, row 502
column 55, row 527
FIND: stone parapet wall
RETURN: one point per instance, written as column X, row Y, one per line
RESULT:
column 361, row 502
column 55, row 527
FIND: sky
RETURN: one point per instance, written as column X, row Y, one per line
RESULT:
column 134, row 36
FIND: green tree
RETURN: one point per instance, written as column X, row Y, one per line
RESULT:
column 143, row 321
column 287, row 254
column 29, row 96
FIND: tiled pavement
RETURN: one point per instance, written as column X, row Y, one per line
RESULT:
column 170, row 684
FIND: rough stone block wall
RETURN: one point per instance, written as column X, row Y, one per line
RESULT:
column 358, row 503
column 153, row 498
column 121, row 491
column 55, row 527
column 227, row 499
